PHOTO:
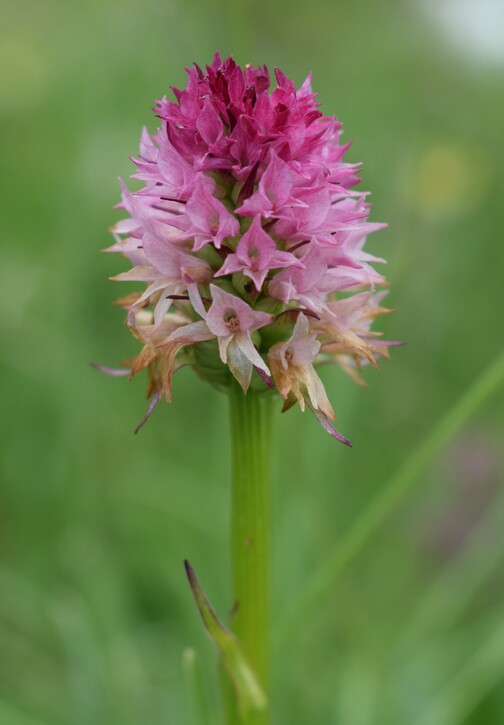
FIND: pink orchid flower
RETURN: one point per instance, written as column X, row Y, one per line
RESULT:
column 231, row 321
column 210, row 221
column 256, row 255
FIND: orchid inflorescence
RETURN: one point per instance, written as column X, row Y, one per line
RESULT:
column 249, row 236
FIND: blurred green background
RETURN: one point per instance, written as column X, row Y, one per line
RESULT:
column 95, row 522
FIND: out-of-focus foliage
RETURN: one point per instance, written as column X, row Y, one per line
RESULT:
column 95, row 522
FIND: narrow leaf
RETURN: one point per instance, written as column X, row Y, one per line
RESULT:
column 477, row 677
column 249, row 694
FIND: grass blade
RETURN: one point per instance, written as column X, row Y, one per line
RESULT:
column 470, row 685
column 392, row 493
column 198, row 703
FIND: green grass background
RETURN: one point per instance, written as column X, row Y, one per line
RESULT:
column 95, row 522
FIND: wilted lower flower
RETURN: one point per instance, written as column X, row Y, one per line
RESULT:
column 249, row 236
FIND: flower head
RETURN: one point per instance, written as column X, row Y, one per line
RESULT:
column 249, row 237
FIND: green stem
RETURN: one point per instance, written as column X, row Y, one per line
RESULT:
column 251, row 423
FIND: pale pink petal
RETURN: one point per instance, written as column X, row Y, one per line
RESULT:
column 194, row 332
column 239, row 365
column 246, row 345
column 113, row 372
column 162, row 255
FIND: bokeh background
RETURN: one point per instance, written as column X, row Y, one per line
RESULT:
column 95, row 612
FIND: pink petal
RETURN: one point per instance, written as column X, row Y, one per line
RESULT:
column 276, row 182
column 162, row 255
column 209, row 123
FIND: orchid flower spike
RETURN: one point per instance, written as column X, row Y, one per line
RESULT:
column 249, row 236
